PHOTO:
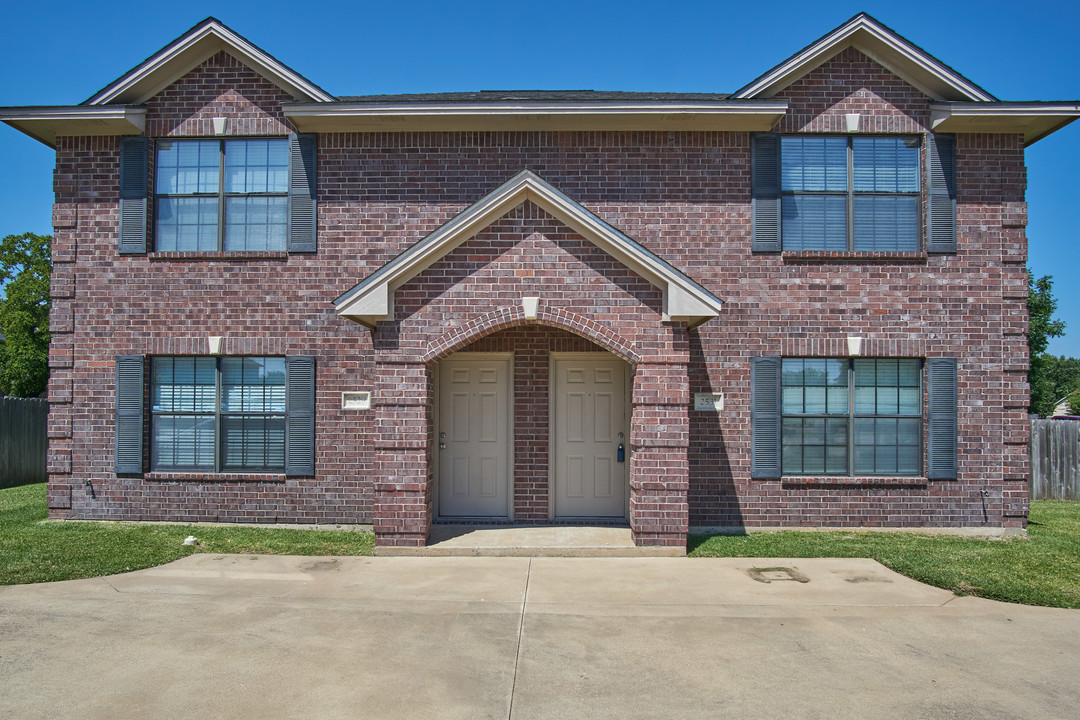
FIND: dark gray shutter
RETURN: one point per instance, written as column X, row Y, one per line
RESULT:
column 129, row 414
column 300, row 416
column 941, row 194
column 765, row 192
column 765, row 417
column 302, row 151
column 942, row 417
column 133, row 169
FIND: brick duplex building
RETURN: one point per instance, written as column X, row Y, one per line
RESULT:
column 798, row 304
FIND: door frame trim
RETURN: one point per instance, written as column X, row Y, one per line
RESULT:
column 628, row 381
column 436, row 421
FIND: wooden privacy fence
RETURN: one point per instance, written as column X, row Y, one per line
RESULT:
column 22, row 440
column 1055, row 459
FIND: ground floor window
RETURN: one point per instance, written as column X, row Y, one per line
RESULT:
column 858, row 416
column 218, row 413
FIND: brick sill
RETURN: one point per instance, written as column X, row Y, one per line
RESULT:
column 211, row 477
column 868, row 481
column 218, row 255
column 853, row 257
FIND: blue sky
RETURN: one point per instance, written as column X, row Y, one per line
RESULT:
column 62, row 52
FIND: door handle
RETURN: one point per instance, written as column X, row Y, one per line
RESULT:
column 442, row 446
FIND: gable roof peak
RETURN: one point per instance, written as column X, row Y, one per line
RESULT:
column 880, row 43
column 205, row 39
column 372, row 300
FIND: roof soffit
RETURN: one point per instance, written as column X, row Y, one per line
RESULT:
column 372, row 299
column 191, row 50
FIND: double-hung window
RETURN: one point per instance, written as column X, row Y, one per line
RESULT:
column 218, row 414
column 229, row 195
column 858, row 193
column 858, row 416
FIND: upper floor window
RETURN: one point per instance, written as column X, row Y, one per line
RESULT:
column 857, row 193
column 227, row 195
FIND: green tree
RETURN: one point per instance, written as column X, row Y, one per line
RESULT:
column 1058, row 377
column 1041, row 327
column 25, row 267
column 1074, row 403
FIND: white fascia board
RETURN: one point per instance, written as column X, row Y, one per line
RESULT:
column 175, row 61
column 1034, row 120
column 887, row 48
column 372, row 299
column 46, row 123
column 355, row 117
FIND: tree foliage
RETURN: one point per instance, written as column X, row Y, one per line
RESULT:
column 25, row 268
column 1041, row 306
column 1041, row 327
column 1074, row 402
column 1058, row 377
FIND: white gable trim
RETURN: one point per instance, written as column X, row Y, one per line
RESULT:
column 191, row 50
column 373, row 299
column 925, row 72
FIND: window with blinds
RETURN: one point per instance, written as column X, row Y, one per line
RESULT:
column 227, row 195
column 858, row 193
column 218, row 414
column 851, row 416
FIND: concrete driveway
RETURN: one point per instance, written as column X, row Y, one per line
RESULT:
column 266, row 637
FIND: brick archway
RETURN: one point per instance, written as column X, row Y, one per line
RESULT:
column 659, row 428
column 557, row 317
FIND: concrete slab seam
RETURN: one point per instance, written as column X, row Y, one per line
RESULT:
column 521, row 627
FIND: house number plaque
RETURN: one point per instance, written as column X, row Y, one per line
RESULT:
column 709, row 401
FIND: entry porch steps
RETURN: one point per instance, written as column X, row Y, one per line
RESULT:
column 529, row 541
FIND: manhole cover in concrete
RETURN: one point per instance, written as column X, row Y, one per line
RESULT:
column 777, row 574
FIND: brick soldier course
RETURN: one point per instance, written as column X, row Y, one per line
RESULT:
column 683, row 195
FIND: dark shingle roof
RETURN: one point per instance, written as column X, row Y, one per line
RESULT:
column 537, row 96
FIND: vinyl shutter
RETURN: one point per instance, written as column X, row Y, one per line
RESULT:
column 300, row 416
column 941, row 194
column 765, row 417
column 302, row 193
column 129, row 414
column 765, row 192
column 942, row 418
column 133, row 191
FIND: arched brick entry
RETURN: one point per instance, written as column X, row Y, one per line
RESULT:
column 659, row 432
column 530, row 258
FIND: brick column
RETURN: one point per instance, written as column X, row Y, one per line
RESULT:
column 402, row 438
column 659, row 465
column 61, row 361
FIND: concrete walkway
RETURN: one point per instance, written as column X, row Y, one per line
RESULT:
column 266, row 637
column 530, row 541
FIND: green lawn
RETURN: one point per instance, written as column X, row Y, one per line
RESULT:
column 1042, row 569
column 35, row 550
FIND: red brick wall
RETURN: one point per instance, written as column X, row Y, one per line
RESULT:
column 685, row 196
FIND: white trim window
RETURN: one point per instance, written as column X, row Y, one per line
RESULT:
column 217, row 414
column 859, row 193
column 228, row 195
